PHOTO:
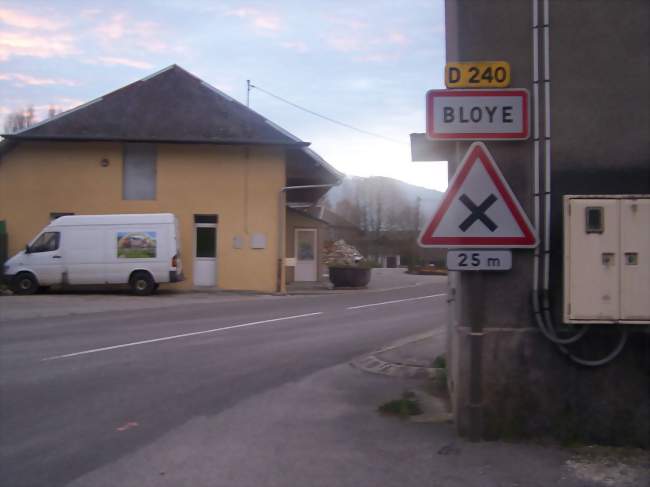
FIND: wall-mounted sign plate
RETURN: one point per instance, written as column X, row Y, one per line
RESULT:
column 477, row 74
column 258, row 241
column 479, row 260
column 478, row 114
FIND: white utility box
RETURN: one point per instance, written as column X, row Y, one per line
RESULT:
column 607, row 259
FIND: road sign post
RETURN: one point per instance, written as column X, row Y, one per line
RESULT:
column 479, row 210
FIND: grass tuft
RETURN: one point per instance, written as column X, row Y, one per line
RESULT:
column 404, row 407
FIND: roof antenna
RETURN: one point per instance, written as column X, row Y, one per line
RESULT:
column 248, row 93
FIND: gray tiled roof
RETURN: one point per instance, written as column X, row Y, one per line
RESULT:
column 172, row 106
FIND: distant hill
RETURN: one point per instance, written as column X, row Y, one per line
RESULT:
column 394, row 195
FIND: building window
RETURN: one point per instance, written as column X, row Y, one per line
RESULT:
column 206, row 239
column 595, row 221
column 139, row 174
column 206, row 219
column 206, row 236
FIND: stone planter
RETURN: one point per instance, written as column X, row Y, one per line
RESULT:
column 349, row 276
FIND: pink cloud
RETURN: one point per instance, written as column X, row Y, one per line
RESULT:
column 20, row 79
column 23, row 44
column 260, row 20
column 345, row 44
column 269, row 23
column 367, row 47
column 90, row 13
column 121, row 61
column 297, row 46
column 348, row 23
column 66, row 103
column 141, row 34
column 113, row 29
column 22, row 20
column 149, row 36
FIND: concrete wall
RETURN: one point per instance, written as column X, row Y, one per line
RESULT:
column 600, row 125
column 241, row 186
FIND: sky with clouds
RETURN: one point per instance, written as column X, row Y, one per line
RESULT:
column 365, row 63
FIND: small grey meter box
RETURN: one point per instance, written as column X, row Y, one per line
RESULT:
column 607, row 259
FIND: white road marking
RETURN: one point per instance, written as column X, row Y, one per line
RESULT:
column 174, row 337
column 396, row 301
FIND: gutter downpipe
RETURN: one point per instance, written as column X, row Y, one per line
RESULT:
column 542, row 311
column 476, row 316
column 536, row 194
column 282, row 230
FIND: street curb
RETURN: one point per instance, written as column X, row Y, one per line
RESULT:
column 372, row 364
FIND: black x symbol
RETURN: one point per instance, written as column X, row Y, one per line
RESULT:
column 478, row 212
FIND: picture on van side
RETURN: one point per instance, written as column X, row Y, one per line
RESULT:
column 136, row 245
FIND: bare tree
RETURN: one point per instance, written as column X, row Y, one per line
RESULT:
column 20, row 120
column 53, row 111
column 350, row 211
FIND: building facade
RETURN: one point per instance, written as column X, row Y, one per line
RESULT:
column 168, row 143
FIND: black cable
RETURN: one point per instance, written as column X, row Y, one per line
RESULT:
column 342, row 124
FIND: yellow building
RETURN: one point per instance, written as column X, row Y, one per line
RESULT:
column 173, row 143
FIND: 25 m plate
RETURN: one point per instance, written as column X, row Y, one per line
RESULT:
column 479, row 260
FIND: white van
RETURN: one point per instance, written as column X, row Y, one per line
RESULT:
column 139, row 250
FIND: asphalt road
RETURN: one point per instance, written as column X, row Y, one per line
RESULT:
column 78, row 393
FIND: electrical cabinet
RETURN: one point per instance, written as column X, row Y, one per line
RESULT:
column 607, row 259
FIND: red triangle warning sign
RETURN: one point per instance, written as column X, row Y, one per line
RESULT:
column 479, row 209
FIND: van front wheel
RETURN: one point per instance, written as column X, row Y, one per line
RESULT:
column 142, row 284
column 24, row 283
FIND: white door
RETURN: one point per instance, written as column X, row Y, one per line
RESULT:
column 595, row 260
column 205, row 250
column 306, row 255
column 85, row 255
column 635, row 261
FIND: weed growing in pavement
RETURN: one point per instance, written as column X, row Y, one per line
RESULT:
column 440, row 362
column 404, row 407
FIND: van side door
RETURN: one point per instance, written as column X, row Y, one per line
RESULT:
column 85, row 258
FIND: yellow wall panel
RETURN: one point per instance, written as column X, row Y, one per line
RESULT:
column 240, row 185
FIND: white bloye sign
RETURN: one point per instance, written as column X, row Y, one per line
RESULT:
column 478, row 114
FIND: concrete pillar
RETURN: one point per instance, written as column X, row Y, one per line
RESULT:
column 506, row 379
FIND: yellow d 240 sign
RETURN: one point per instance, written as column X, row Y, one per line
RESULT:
column 479, row 74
